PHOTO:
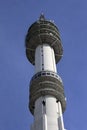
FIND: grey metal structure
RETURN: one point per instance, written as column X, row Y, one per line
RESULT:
column 40, row 32
column 45, row 82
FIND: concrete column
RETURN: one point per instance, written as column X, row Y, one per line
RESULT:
column 45, row 59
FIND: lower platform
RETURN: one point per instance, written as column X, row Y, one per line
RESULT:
column 46, row 83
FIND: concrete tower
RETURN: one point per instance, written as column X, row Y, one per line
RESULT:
column 47, row 100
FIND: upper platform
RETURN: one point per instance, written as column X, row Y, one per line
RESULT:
column 40, row 32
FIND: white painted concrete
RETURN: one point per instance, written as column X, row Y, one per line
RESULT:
column 47, row 114
column 45, row 58
column 60, row 118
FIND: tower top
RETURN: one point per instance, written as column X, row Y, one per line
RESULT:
column 40, row 32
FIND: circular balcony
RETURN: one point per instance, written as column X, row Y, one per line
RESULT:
column 40, row 32
column 46, row 83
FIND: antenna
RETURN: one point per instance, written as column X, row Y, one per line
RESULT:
column 42, row 17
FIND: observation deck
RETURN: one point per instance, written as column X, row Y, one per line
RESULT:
column 46, row 83
column 40, row 32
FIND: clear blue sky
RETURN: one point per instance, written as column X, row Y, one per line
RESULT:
column 15, row 71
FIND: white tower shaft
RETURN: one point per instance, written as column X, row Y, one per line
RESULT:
column 47, row 114
column 47, row 111
column 44, row 59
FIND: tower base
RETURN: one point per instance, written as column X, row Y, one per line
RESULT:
column 47, row 114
